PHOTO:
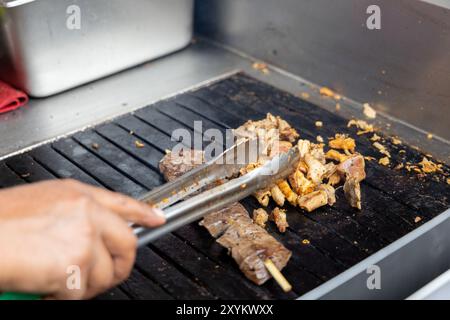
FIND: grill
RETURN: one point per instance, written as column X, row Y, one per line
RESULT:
column 188, row 264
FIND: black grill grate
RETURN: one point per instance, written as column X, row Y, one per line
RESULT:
column 188, row 264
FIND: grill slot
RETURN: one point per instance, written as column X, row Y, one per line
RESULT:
column 188, row 263
column 8, row 178
column 60, row 167
column 110, row 177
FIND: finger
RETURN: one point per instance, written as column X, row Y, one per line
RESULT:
column 101, row 277
column 128, row 208
column 120, row 242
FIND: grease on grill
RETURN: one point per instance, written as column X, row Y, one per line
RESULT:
column 139, row 144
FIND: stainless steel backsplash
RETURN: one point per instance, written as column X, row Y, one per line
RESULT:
column 402, row 69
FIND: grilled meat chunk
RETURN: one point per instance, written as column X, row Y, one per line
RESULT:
column 300, row 184
column 174, row 164
column 263, row 197
column 334, row 179
column 313, row 200
column 277, row 195
column 290, row 195
column 218, row 222
column 260, row 217
column 270, row 130
column 316, row 169
column 279, row 147
column 279, row 217
column 336, row 155
column 352, row 190
column 353, row 167
column 331, row 193
column 342, row 142
column 354, row 171
column 303, row 147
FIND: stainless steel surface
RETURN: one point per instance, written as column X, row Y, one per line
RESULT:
column 405, row 265
column 43, row 120
column 402, row 69
column 42, row 55
column 214, row 199
column 13, row 3
column 438, row 289
column 222, row 167
column 442, row 3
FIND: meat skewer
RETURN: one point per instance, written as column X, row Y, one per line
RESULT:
column 277, row 275
column 249, row 244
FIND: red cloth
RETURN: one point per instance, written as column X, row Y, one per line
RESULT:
column 10, row 98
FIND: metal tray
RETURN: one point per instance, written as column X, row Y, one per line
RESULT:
column 44, row 50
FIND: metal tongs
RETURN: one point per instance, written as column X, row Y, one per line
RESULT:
column 223, row 167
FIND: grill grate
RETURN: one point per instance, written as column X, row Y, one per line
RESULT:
column 188, row 264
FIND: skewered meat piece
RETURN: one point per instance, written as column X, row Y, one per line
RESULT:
column 279, row 217
column 174, row 164
column 249, row 244
column 260, row 217
column 218, row 222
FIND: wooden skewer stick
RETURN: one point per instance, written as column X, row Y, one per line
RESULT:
column 277, row 275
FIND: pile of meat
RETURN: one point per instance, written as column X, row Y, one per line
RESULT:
column 249, row 244
column 312, row 183
column 310, row 186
